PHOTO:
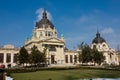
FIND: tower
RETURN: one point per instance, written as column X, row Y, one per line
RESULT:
column 44, row 28
column 45, row 36
column 101, row 45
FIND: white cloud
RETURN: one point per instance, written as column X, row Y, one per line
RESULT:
column 39, row 13
column 107, row 31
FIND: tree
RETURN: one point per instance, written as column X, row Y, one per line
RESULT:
column 86, row 54
column 98, row 56
column 90, row 55
column 80, row 46
column 36, row 57
column 23, row 56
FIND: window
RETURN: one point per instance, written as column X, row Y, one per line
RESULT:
column 34, row 34
column 15, row 58
column 61, row 46
column 94, row 46
column 8, row 58
column 41, row 34
column 110, row 55
column 104, row 45
column 75, row 58
column 52, row 59
column 52, row 48
column 1, row 57
column 71, row 59
column 46, row 33
column 55, row 32
column 66, row 58
column 49, row 34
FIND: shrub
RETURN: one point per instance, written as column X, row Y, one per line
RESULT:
column 33, row 69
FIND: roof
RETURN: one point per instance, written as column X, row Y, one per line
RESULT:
column 44, row 22
column 98, row 39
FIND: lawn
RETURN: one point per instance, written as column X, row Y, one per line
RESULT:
column 66, row 74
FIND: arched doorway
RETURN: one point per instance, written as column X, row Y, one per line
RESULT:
column 52, row 59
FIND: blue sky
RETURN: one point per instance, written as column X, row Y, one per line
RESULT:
column 76, row 19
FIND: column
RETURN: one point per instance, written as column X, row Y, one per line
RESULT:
column 68, row 59
column 12, row 57
column 73, row 59
column 4, row 61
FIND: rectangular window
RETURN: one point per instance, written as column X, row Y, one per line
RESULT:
column 1, row 57
column 66, row 58
column 75, row 58
column 8, row 58
column 52, row 48
column 15, row 58
column 41, row 34
column 71, row 59
column 49, row 34
column 46, row 33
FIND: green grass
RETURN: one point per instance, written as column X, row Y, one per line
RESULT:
column 66, row 74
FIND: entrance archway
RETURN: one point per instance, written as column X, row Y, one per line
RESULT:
column 52, row 59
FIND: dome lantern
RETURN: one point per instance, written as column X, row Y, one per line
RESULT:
column 44, row 22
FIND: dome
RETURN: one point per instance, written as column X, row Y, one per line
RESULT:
column 98, row 39
column 44, row 22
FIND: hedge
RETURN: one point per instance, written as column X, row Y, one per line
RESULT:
column 33, row 69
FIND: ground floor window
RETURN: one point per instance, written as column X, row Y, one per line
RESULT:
column 52, row 59
column 1, row 57
column 8, row 59
column 71, row 59
column 66, row 58
column 15, row 58
column 110, row 55
column 75, row 58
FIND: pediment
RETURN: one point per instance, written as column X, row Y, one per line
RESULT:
column 56, row 40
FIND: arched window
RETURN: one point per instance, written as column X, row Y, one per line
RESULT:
column 104, row 45
column 94, row 46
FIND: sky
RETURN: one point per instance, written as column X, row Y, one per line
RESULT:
column 77, row 20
